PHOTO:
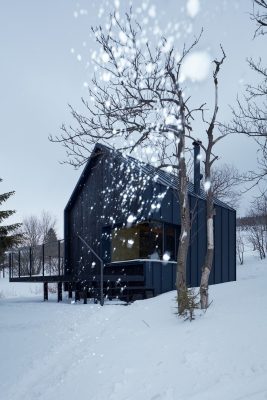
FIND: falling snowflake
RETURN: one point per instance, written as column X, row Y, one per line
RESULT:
column 130, row 243
column 150, row 68
column 152, row 12
column 169, row 168
column 106, row 76
column 192, row 8
column 196, row 66
column 166, row 256
column 123, row 37
column 131, row 219
column 105, row 57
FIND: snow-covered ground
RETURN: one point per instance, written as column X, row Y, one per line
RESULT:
column 51, row 351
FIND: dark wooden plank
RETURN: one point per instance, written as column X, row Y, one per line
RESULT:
column 225, row 246
column 218, row 246
column 232, row 245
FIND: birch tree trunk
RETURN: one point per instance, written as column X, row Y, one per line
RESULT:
column 210, row 211
column 207, row 266
column 209, row 160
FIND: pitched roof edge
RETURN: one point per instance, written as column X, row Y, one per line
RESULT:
column 99, row 147
column 95, row 153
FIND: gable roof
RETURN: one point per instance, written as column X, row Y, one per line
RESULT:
column 163, row 177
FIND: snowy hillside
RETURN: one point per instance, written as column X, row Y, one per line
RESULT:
column 52, row 351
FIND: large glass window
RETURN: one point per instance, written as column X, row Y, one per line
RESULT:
column 144, row 240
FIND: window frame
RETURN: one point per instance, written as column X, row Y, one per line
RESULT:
column 107, row 229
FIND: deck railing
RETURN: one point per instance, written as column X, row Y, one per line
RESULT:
column 41, row 260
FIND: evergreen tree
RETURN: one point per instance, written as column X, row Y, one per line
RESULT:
column 8, row 235
column 51, row 236
column 51, row 250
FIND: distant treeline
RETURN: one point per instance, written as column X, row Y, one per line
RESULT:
column 251, row 221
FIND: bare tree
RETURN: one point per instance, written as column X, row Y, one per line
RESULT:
column 250, row 115
column 35, row 232
column 240, row 246
column 35, row 229
column 139, row 105
column 259, row 15
column 225, row 180
column 31, row 230
column 257, row 238
column 262, row 211
column 209, row 160
column 257, row 229
column 47, row 223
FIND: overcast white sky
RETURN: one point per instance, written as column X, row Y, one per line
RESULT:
column 40, row 75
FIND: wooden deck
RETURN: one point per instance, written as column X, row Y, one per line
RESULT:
column 40, row 278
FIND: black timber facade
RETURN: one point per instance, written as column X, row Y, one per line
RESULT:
column 114, row 189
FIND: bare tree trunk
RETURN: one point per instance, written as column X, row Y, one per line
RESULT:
column 240, row 247
column 207, row 266
column 182, row 249
column 185, row 219
column 210, row 159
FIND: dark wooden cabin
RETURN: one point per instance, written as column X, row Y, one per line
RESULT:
column 127, row 213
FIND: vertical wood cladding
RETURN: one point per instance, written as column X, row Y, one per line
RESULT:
column 109, row 190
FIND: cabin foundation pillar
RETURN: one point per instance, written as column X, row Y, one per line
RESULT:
column 68, row 288
column 59, row 291
column 85, row 296
column 45, row 291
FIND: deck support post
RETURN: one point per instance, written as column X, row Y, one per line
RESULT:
column 70, row 290
column 45, row 291
column 30, row 255
column 59, row 291
column 10, row 265
column 19, row 264
column 58, row 251
column 43, row 258
column 85, row 295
